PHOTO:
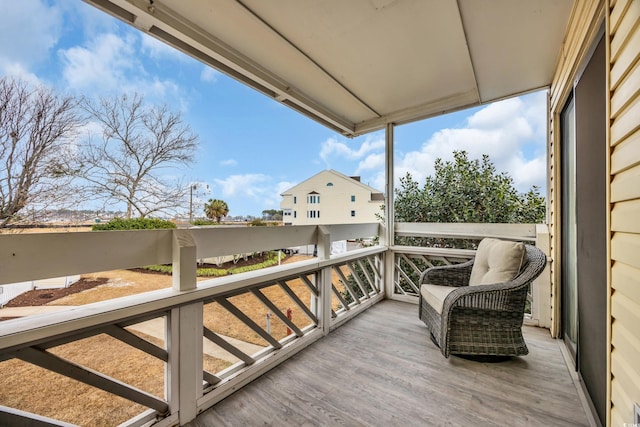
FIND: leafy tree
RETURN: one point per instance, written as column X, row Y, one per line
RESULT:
column 137, row 144
column 216, row 209
column 36, row 125
column 465, row 190
column 462, row 190
column 272, row 214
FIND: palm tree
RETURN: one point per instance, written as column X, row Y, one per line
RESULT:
column 215, row 208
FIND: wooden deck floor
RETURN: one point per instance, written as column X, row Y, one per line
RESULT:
column 381, row 369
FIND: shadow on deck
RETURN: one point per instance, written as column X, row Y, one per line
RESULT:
column 381, row 369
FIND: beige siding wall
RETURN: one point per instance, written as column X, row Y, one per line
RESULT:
column 335, row 204
column 623, row 46
column 624, row 36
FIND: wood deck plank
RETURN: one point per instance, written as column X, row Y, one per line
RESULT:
column 382, row 369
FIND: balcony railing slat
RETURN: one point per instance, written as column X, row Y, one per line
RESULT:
column 283, row 285
column 406, row 277
column 16, row 417
column 358, row 280
column 135, row 341
column 90, row 377
column 247, row 321
column 346, row 284
column 310, row 285
column 224, row 344
column 210, row 378
column 338, row 295
column 275, row 310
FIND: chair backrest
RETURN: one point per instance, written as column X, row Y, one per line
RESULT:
column 497, row 261
column 528, row 268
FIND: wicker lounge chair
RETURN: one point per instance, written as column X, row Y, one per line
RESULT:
column 481, row 319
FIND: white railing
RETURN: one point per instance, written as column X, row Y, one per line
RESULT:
column 410, row 261
column 323, row 292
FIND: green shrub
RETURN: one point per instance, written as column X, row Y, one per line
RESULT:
column 272, row 259
column 133, row 224
column 258, row 223
column 201, row 272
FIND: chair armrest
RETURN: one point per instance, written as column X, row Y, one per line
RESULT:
column 448, row 275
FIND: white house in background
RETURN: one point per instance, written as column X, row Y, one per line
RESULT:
column 330, row 197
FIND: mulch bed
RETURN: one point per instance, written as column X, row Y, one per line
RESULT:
column 44, row 296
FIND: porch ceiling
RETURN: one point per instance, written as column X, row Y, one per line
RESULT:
column 356, row 65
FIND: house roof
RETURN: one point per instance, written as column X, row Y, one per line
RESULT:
column 359, row 64
column 331, row 175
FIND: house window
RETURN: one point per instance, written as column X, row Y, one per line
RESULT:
column 294, row 200
column 353, row 198
column 313, row 214
column 295, row 214
column 329, row 184
column 313, row 199
column 353, row 213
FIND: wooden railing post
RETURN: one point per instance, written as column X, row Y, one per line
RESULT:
column 388, row 265
column 184, row 261
column 541, row 287
column 324, row 280
column 184, row 334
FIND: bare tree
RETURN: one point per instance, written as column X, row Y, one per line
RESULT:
column 137, row 144
column 36, row 126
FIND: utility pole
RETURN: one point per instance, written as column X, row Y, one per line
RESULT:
column 191, row 188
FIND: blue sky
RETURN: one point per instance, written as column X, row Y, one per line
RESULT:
column 251, row 148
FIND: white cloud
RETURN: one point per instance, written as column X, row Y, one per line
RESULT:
column 18, row 70
column 283, row 186
column 229, row 162
column 109, row 63
column 29, row 29
column 511, row 132
column 334, row 148
column 249, row 185
column 104, row 62
column 372, row 162
column 209, row 75
column 255, row 187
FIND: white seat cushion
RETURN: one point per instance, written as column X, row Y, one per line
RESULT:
column 496, row 261
column 434, row 295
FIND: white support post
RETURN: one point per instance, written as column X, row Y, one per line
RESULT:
column 184, row 261
column 389, row 214
column 184, row 369
column 541, row 287
column 324, row 243
column 184, row 340
column 324, row 281
column 172, row 367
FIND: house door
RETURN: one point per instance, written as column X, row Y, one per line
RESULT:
column 584, row 236
column 569, row 231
